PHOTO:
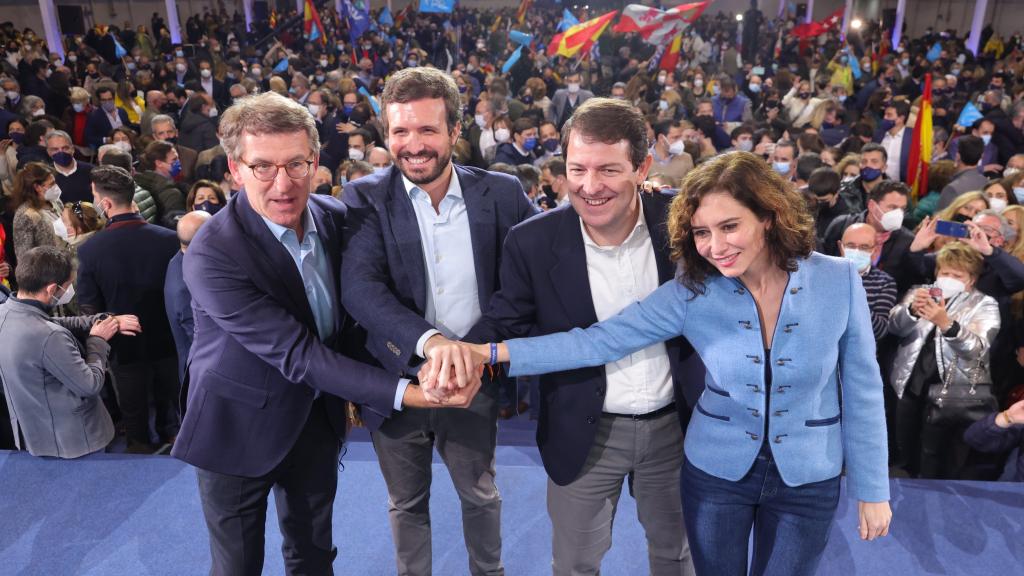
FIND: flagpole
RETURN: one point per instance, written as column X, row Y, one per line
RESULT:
column 846, row 18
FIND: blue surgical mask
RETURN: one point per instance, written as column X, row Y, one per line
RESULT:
column 529, row 144
column 870, row 174
column 887, row 125
column 986, row 138
column 347, row 108
column 176, row 168
column 755, row 88
column 781, row 167
column 860, row 259
column 551, row 145
column 381, row 169
column 1018, row 192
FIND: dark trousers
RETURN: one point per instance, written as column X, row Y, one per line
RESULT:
column 465, row 439
column 133, row 384
column 304, row 485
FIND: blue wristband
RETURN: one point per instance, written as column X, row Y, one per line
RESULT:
column 494, row 353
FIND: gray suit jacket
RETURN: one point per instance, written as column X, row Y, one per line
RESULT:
column 560, row 101
column 62, row 415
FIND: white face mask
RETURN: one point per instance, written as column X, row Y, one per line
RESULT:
column 66, row 297
column 950, row 287
column 501, row 135
column 52, row 193
column 205, row 73
column 60, row 229
column 573, row 88
column 479, row 119
column 892, row 220
column 213, row 113
column 745, row 145
column 997, row 204
column 860, row 258
column 124, row 146
column 314, row 109
column 677, row 147
column 355, row 154
column 78, row 107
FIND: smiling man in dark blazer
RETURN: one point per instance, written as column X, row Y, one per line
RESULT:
column 267, row 373
column 423, row 247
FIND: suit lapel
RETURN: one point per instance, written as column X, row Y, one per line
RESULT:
column 406, row 231
column 483, row 230
column 655, row 215
column 569, row 273
column 330, row 241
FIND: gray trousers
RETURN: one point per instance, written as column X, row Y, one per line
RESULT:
column 465, row 439
column 650, row 454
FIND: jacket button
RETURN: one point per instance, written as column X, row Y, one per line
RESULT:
column 794, row 290
column 590, row 420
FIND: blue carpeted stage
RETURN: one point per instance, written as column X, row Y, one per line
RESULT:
column 131, row 515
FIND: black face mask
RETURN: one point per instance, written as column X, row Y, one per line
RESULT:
column 548, row 191
column 324, row 189
column 960, row 218
column 170, row 108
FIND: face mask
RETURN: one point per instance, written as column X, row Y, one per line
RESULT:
column 661, row 79
column 716, row 89
column 481, row 45
column 887, row 125
column 209, row 207
column 108, row 106
column 1010, row 172
column 124, row 146
column 662, row 105
column 891, row 220
column 176, row 168
column 72, row 58
column 180, row 68
column 314, row 109
column 755, row 88
column 804, row 95
column 355, row 154
column 347, row 109
column 412, row 63
column 12, row 95
column 950, row 287
column 381, row 169
column 870, row 174
column 501, row 135
column 78, row 108
column 205, row 73
column 860, row 259
column 212, row 113
column 319, row 78
column 986, row 138
column 256, row 72
column 17, row 137
column 39, row 112
column 677, row 147
column 340, row 47
column 52, row 194
column 60, row 229
column 551, row 145
column 63, row 159
column 698, row 82
column 323, row 63
column 841, row 98
column 745, row 145
column 1018, row 193
column 905, row 62
column 66, row 297
column 955, row 71
column 179, row 53
column 529, row 144
column 527, row 100
column 997, row 204
column 573, row 88
column 781, row 167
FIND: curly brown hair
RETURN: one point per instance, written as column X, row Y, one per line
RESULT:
column 751, row 182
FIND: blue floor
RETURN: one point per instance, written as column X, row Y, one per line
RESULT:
column 131, row 515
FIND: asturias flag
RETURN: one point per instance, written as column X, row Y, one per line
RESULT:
column 580, row 37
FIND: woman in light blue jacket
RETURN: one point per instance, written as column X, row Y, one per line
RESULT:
column 793, row 390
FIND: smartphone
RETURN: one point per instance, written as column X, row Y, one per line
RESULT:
column 935, row 293
column 953, row 229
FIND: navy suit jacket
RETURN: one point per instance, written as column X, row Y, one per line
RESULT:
column 385, row 286
column 545, row 289
column 908, row 137
column 256, row 360
column 97, row 126
column 178, row 303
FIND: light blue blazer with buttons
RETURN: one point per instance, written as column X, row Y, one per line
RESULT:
column 823, row 355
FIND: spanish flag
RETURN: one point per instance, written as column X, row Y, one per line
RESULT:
column 312, row 26
column 921, row 145
column 580, row 37
column 671, row 57
column 524, row 5
column 273, row 19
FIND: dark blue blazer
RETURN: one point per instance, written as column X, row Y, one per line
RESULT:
column 908, row 137
column 385, row 287
column 178, row 303
column 545, row 289
column 121, row 270
column 97, row 126
column 256, row 360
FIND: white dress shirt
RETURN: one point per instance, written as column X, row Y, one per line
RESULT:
column 894, row 149
column 619, row 276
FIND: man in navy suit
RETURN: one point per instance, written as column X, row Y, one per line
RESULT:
column 567, row 269
column 121, row 270
column 104, row 118
column 896, row 138
column 266, row 375
column 177, row 300
column 421, row 262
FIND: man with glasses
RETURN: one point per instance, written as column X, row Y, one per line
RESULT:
column 267, row 372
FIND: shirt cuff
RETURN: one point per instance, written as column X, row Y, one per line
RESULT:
column 423, row 341
column 403, row 383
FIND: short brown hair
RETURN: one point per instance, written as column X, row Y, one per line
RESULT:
column 266, row 113
column 960, row 256
column 191, row 198
column 748, row 179
column 609, row 121
column 422, row 83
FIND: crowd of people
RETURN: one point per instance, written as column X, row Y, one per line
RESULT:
column 114, row 157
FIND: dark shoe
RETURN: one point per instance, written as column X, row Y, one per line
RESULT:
column 506, row 413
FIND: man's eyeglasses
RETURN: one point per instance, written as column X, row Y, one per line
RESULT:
column 266, row 172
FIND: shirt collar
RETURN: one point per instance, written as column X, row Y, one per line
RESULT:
column 454, row 187
column 639, row 228
column 308, row 225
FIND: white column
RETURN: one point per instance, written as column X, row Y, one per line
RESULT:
column 247, row 5
column 980, row 7
column 782, row 7
column 51, row 27
column 172, row 21
column 897, row 29
column 300, row 5
column 810, row 12
column 847, row 14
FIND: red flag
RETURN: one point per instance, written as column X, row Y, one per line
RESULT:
column 921, row 145
column 812, row 29
column 580, row 37
column 671, row 57
column 657, row 26
column 524, row 5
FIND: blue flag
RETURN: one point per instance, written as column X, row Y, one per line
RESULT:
column 282, row 66
column 521, row 38
column 854, row 67
column 512, row 59
column 934, row 53
column 568, row 20
column 373, row 101
column 437, row 6
column 385, row 18
column 969, row 116
column 119, row 51
column 358, row 17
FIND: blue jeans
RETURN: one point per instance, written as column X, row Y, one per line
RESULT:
column 790, row 524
